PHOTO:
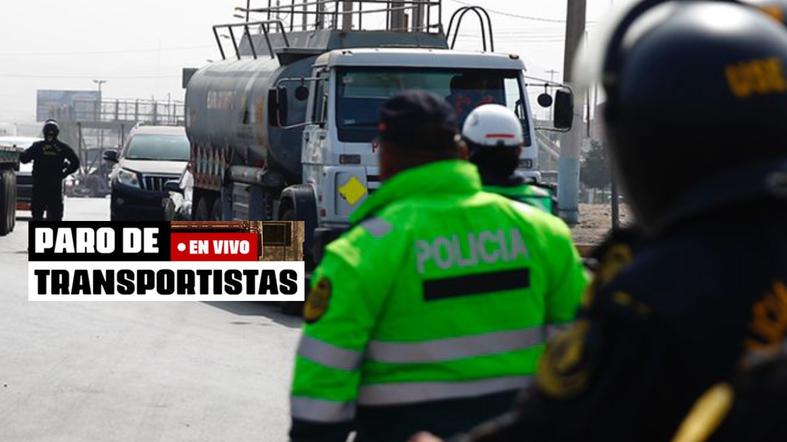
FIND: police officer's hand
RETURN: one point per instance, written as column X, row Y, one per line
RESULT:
column 424, row 437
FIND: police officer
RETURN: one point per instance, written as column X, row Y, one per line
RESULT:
column 53, row 160
column 493, row 134
column 432, row 311
column 696, row 97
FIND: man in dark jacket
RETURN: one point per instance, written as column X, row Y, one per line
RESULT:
column 53, row 160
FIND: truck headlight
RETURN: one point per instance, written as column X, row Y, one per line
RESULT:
column 128, row 178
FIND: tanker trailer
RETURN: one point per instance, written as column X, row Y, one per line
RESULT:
column 285, row 129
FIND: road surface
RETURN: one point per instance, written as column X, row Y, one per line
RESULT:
column 130, row 371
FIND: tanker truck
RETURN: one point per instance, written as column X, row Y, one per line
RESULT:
column 283, row 127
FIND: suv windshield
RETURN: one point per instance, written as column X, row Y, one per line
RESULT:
column 362, row 91
column 158, row 147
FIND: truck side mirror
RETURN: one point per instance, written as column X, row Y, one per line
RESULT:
column 111, row 156
column 277, row 107
column 564, row 109
column 173, row 186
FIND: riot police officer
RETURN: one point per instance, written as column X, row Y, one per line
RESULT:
column 494, row 137
column 696, row 98
column 53, row 160
column 431, row 312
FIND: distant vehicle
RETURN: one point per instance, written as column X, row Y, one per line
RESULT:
column 24, row 176
column 152, row 156
column 92, row 179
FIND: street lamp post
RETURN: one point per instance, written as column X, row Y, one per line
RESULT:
column 99, row 83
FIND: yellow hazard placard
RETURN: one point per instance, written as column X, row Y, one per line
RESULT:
column 353, row 191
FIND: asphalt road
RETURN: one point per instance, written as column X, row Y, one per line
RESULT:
column 137, row 371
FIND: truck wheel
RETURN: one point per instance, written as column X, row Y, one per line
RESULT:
column 202, row 210
column 12, row 212
column 7, row 202
column 215, row 213
column 293, row 308
column 288, row 214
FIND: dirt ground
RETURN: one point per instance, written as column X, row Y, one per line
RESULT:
column 595, row 220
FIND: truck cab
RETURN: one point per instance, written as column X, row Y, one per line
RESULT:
column 339, row 154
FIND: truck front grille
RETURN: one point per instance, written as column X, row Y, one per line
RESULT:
column 155, row 183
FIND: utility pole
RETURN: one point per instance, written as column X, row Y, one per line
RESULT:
column 320, row 21
column 552, row 73
column 99, row 83
column 568, row 168
column 419, row 18
column 397, row 14
column 347, row 21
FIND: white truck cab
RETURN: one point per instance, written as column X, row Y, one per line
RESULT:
column 339, row 153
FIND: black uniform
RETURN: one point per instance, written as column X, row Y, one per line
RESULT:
column 670, row 314
column 696, row 98
column 52, row 162
column 756, row 413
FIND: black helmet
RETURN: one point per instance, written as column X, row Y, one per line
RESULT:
column 51, row 129
column 694, row 89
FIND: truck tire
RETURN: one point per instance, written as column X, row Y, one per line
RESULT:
column 7, row 201
column 202, row 209
column 13, row 199
column 292, row 308
column 215, row 211
column 298, row 203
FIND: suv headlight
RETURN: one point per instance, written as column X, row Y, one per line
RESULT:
column 128, row 178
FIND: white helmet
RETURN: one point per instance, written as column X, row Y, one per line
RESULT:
column 493, row 125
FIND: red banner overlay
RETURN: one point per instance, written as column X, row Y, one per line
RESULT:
column 207, row 246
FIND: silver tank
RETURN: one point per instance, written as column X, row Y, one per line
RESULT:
column 227, row 106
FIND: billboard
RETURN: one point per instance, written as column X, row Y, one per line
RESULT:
column 48, row 102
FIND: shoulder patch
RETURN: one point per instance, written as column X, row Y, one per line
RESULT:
column 317, row 301
column 566, row 367
column 377, row 227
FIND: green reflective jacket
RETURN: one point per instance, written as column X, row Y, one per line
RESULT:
column 440, row 291
column 528, row 194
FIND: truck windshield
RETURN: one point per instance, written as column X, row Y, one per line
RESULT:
column 361, row 92
column 158, row 147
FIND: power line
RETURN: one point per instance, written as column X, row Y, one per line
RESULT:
column 107, row 52
column 85, row 77
column 509, row 14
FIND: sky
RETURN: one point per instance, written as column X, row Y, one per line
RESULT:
column 140, row 46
